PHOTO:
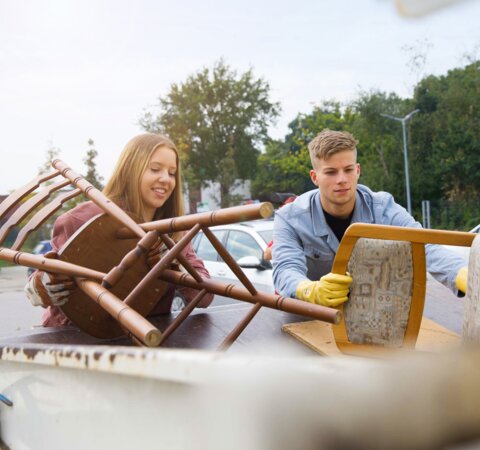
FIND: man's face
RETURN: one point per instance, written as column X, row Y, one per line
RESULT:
column 337, row 179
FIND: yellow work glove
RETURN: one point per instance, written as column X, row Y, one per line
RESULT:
column 331, row 290
column 461, row 280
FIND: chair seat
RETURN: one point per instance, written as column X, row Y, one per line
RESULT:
column 319, row 337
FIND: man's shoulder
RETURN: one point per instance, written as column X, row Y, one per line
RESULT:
column 302, row 204
column 372, row 197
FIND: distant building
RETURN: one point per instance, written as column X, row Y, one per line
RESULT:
column 210, row 195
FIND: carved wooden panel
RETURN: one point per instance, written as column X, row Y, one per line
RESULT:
column 380, row 296
column 471, row 319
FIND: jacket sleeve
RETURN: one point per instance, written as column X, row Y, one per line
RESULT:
column 289, row 262
column 189, row 293
column 63, row 228
column 442, row 263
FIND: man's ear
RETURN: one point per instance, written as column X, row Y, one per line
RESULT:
column 358, row 171
column 313, row 177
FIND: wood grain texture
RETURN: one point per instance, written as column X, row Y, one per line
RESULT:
column 319, row 337
column 96, row 246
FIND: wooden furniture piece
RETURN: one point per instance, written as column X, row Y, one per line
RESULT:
column 319, row 337
column 106, row 256
column 203, row 329
column 387, row 296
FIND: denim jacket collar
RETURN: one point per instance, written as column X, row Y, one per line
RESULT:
column 361, row 213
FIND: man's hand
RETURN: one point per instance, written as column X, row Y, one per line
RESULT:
column 331, row 290
column 461, row 279
column 267, row 254
column 49, row 289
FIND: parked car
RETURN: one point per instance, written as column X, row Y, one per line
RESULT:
column 40, row 249
column 463, row 251
column 246, row 242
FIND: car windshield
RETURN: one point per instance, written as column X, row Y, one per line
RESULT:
column 267, row 235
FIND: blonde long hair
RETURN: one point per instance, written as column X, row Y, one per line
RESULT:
column 123, row 187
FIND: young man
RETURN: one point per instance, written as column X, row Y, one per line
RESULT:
column 307, row 232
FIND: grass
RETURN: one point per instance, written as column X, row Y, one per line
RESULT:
column 6, row 264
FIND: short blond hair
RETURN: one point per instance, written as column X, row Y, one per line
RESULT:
column 329, row 142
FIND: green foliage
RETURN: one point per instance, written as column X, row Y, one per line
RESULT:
column 6, row 264
column 282, row 170
column 51, row 153
column 380, row 148
column 285, row 166
column 443, row 146
column 305, row 127
column 453, row 132
column 218, row 119
column 459, row 214
column 92, row 175
column 228, row 179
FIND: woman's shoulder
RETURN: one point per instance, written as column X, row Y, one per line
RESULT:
column 81, row 213
column 71, row 221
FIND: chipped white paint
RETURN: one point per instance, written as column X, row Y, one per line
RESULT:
column 79, row 397
column 185, row 366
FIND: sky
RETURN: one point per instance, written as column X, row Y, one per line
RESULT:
column 73, row 70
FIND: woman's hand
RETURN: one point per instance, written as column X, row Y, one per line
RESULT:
column 49, row 289
column 157, row 251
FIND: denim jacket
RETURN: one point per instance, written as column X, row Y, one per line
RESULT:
column 305, row 246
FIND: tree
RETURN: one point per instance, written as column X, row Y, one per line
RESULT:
column 219, row 120
column 281, row 170
column 89, row 160
column 447, row 141
column 380, row 150
column 417, row 57
column 51, row 154
column 285, row 165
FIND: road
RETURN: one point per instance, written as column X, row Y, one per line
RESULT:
column 16, row 312
column 442, row 306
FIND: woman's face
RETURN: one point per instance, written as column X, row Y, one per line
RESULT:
column 158, row 181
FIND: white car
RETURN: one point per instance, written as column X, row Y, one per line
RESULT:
column 246, row 242
column 463, row 251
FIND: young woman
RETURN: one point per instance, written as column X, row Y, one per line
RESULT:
column 146, row 182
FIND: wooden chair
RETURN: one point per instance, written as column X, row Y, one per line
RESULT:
column 106, row 256
column 387, row 296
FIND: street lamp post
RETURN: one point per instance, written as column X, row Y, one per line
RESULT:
column 404, row 120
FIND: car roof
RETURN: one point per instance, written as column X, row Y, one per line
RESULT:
column 257, row 225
